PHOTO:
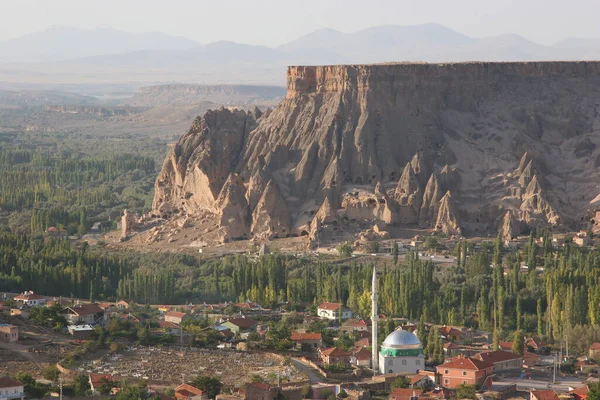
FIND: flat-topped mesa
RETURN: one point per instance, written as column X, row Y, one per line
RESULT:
column 334, row 78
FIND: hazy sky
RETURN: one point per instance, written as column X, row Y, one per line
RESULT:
column 273, row 22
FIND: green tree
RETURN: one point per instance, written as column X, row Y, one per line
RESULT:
column 401, row 382
column 466, row 392
column 81, row 385
column 540, row 317
column 496, row 339
column 306, row 391
column 518, row 345
column 210, row 385
column 105, row 386
column 130, row 392
column 51, row 373
column 344, row 249
column 594, row 393
column 395, row 253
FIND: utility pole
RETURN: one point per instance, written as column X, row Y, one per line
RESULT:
column 567, row 344
column 554, row 374
column 60, row 382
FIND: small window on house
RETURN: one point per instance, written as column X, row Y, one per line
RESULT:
column 445, row 372
column 446, row 381
column 464, row 373
column 403, row 362
column 391, row 362
column 418, row 362
column 464, row 382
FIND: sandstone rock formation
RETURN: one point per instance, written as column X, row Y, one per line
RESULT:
column 460, row 148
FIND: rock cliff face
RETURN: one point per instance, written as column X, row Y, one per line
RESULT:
column 450, row 147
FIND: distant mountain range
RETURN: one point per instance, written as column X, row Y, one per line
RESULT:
column 60, row 43
column 69, row 54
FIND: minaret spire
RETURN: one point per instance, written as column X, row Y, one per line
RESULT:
column 374, row 318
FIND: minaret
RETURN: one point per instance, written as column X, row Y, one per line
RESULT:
column 374, row 318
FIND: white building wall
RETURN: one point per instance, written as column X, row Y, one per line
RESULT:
column 396, row 365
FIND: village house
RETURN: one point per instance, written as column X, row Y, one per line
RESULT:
column 307, row 341
column 174, row 329
column 594, row 351
column 334, row 311
column 240, row 325
column 11, row 389
column 587, row 366
column 353, row 325
column 405, row 394
column 450, row 333
column 9, row 333
column 176, row 317
column 506, row 346
column 580, row 393
column 533, row 344
column 366, row 342
column 467, row 371
column 361, row 357
column 333, row 355
column 450, row 349
column 123, row 304
column 424, row 379
column 79, row 314
column 96, row 381
column 29, row 299
column 59, row 301
column 264, row 391
column 546, row 394
column 189, row 392
column 531, row 359
column 501, row 360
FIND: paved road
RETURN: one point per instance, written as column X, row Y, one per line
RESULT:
column 313, row 376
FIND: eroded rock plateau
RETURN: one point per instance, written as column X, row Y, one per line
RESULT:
column 461, row 148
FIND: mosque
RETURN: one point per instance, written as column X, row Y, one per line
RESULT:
column 401, row 351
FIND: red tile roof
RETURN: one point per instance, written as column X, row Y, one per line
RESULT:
column 29, row 296
column 167, row 324
column 505, row 345
column 185, row 391
column 417, row 378
column 362, row 354
column 450, row 346
column 359, row 323
column 448, row 330
column 404, row 394
column 465, row 363
column 366, row 342
column 6, row 382
column 546, row 394
column 497, row 356
column 300, row 336
column 595, row 346
column 175, row 314
column 335, row 352
column 97, row 378
column 580, row 392
column 330, row 306
column 85, row 309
